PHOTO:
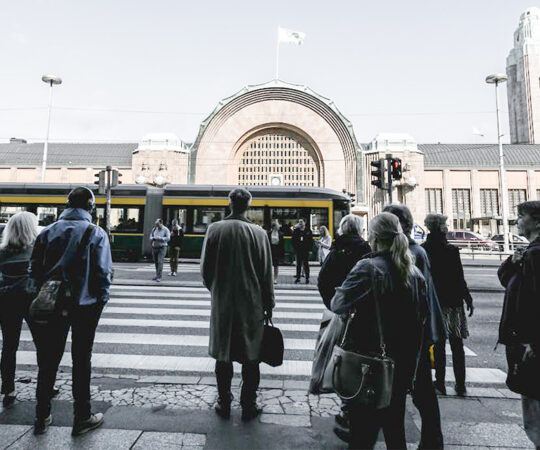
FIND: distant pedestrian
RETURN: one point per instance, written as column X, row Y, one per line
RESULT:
column 60, row 254
column 424, row 395
column 387, row 276
column 302, row 242
column 15, row 251
column 159, row 236
column 175, row 244
column 324, row 243
column 452, row 292
column 277, row 245
column 236, row 266
column 519, row 330
column 348, row 249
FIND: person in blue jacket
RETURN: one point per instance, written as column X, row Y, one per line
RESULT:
column 87, row 270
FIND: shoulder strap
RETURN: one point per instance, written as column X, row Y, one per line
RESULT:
column 378, row 312
column 85, row 239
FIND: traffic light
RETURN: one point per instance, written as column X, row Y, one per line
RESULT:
column 100, row 181
column 377, row 172
column 397, row 173
column 116, row 175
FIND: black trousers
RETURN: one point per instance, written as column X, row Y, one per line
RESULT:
column 302, row 260
column 458, row 360
column 366, row 423
column 425, row 400
column 13, row 310
column 50, row 342
column 251, row 377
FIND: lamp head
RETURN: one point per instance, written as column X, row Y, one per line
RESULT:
column 496, row 78
column 51, row 79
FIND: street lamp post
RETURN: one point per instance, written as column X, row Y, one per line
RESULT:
column 496, row 79
column 50, row 80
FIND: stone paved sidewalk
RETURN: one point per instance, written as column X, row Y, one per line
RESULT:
column 176, row 412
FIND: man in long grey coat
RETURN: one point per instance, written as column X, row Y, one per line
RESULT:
column 236, row 266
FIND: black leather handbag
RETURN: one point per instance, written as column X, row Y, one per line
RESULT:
column 359, row 378
column 272, row 347
column 523, row 373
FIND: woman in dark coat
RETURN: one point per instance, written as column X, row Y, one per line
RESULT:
column 277, row 245
column 519, row 329
column 452, row 292
column 389, row 277
column 15, row 252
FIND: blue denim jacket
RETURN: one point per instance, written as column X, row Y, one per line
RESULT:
column 89, row 276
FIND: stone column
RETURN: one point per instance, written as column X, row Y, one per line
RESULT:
column 476, row 210
column 447, row 198
column 531, row 185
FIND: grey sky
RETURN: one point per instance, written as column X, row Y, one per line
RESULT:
column 402, row 66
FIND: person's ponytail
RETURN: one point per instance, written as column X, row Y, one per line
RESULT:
column 387, row 232
column 401, row 257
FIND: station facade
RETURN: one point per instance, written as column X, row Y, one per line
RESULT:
column 283, row 134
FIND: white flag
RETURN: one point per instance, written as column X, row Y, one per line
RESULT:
column 290, row 36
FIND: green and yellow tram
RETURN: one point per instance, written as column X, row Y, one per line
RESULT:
column 134, row 209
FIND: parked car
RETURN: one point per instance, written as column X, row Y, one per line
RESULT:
column 515, row 241
column 468, row 239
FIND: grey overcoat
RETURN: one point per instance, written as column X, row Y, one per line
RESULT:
column 236, row 266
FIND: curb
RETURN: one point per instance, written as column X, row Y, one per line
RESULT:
column 128, row 282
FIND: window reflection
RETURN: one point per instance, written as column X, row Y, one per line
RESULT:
column 203, row 217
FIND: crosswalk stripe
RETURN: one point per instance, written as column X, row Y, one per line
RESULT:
column 162, row 288
column 201, row 312
column 192, row 324
column 200, row 295
column 176, row 364
column 179, row 340
column 140, row 301
column 183, row 364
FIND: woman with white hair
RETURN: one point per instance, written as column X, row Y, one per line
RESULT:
column 15, row 252
column 387, row 288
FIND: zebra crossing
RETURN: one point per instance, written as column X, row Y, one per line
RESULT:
column 164, row 330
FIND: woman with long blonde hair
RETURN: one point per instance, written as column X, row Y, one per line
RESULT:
column 15, row 252
column 389, row 277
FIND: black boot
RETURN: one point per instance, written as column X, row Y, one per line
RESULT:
column 223, row 406
column 250, row 411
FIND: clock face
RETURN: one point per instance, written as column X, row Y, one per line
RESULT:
column 275, row 181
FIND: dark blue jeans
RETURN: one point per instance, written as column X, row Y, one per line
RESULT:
column 50, row 340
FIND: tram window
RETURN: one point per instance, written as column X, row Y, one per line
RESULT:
column 256, row 215
column 179, row 215
column 47, row 215
column 318, row 218
column 123, row 220
column 286, row 218
column 202, row 217
column 7, row 211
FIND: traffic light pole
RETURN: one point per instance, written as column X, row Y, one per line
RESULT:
column 389, row 177
column 108, row 202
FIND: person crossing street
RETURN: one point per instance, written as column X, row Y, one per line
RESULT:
column 160, row 237
column 302, row 242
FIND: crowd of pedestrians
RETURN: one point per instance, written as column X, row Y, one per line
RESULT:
column 395, row 302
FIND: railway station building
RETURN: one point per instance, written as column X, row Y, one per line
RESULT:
column 280, row 134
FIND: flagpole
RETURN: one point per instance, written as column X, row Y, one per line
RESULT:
column 277, row 55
